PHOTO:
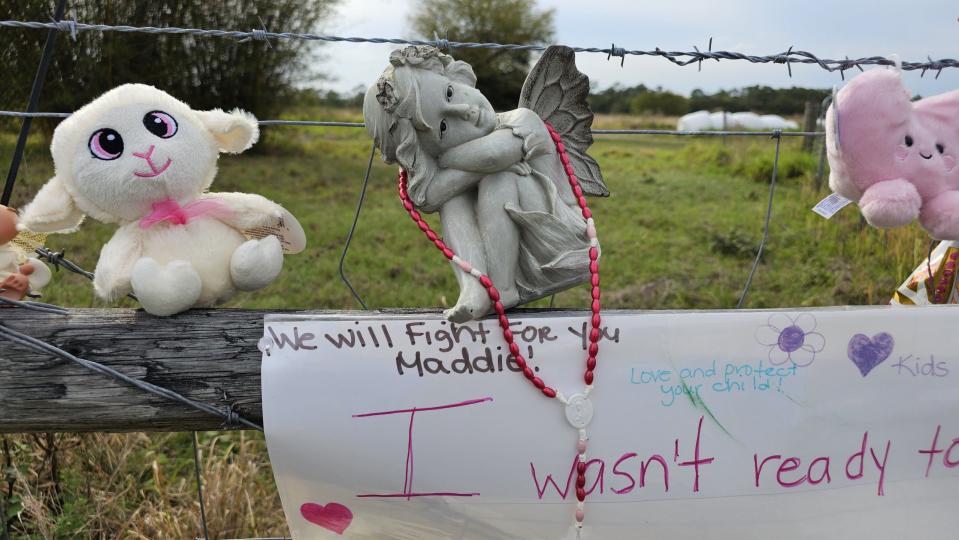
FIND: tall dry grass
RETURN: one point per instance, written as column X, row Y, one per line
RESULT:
column 138, row 486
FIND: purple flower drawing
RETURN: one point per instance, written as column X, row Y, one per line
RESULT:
column 791, row 339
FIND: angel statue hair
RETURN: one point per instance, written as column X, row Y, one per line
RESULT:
column 138, row 157
column 497, row 180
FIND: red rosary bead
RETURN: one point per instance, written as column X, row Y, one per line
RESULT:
column 580, row 494
column 588, row 377
column 581, row 481
column 591, row 362
column 549, row 392
column 581, row 467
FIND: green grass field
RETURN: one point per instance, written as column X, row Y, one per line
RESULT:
column 679, row 232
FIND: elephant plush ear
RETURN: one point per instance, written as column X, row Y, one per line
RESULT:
column 52, row 210
column 876, row 99
column 234, row 131
column 942, row 108
column 871, row 114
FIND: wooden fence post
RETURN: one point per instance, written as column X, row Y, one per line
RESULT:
column 810, row 114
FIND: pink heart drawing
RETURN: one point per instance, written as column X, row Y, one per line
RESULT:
column 333, row 516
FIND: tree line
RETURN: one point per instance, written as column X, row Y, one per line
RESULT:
column 642, row 99
column 205, row 72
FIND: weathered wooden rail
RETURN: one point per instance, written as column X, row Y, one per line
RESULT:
column 206, row 355
column 209, row 356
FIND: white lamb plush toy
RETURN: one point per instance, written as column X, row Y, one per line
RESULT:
column 138, row 157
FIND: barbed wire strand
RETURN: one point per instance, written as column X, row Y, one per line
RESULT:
column 34, row 306
column 680, row 58
column 768, row 219
column 349, row 236
column 230, row 416
column 58, row 260
column 680, row 133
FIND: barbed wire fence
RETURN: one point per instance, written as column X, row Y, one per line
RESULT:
column 232, row 420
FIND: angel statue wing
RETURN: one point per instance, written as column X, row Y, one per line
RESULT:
column 557, row 92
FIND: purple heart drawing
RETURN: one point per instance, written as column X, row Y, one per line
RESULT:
column 868, row 353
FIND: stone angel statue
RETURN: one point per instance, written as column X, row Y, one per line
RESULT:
column 496, row 179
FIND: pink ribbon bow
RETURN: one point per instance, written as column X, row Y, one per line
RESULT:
column 170, row 210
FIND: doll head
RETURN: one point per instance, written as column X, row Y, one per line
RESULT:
column 884, row 135
column 131, row 147
column 424, row 104
column 8, row 224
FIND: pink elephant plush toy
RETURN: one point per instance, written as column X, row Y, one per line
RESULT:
column 895, row 156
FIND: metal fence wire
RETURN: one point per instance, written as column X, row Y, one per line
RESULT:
column 233, row 420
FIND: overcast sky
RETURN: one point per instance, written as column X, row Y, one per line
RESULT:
column 913, row 29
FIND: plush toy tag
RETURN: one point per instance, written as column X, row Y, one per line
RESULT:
column 286, row 228
column 828, row 207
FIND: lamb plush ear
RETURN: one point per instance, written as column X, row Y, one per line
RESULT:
column 52, row 210
column 234, row 131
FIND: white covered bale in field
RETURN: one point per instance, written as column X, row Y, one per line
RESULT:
column 719, row 120
column 744, row 120
column 694, row 121
column 705, row 120
column 774, row 121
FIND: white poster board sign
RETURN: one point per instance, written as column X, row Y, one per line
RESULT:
column 830, row 423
